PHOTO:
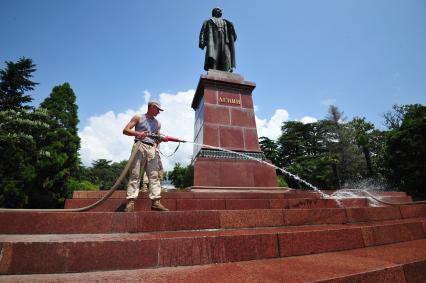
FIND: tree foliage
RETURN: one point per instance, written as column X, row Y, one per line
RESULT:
column 270, row 149
column 405, row 151
column 346, row 157
column 363, row 131
column 317, row 170
column 14, row 82
column 61, row 143
column 182, row 177
column 393, row 118
column 104, row 173
column 20, row 135
column 328, row 153
column 302, row 149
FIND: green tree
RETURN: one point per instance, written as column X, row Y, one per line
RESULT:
column 348, row 163
column 291, row 142
column 394, row 117
column 302, row 150
column 101, row 173
column 363, row 133
column 316, row 169
column 14, row 83
column 377, row 148
column 182, row 177
column 270, row 149
column 84, row 185
column 405, row 151
column 20, row 135
column 298, row 139
column 104, row 173
column 21, row 129
column 61, row 142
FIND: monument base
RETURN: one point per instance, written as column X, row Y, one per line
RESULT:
column 233, row 173
column 225, row 119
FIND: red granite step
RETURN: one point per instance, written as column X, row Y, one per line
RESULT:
column 401, row 262
column 385, row 263
column 209, row 194
column 228, row 193
column 147, row 221
column 230, row 200
column 24, row 254
column 144, row 204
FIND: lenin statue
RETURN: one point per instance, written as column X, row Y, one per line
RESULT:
column 219, row 36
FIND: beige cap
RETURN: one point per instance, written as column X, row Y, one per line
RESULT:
column 155, row 103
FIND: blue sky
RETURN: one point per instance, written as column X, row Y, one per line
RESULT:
column 361, row 55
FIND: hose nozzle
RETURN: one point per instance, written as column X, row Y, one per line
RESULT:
column 164, row 138
column 171, row 139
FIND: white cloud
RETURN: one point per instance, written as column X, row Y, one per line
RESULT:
column 103, row 138
column 308, row 120
column 272, row 128
column 177, row 120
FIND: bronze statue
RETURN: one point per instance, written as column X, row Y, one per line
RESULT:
column 219, row 36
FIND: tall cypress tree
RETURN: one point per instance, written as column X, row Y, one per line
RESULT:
column 61, row 145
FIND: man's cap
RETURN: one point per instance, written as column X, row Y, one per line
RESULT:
column 156, row 103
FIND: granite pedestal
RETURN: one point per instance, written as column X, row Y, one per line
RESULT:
column 224, row 118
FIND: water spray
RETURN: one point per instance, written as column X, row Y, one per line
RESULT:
column 164, row 138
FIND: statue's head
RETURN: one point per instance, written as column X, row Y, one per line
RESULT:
column 217, row 12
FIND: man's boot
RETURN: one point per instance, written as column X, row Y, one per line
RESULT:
column 130, row 206
column 156, row 205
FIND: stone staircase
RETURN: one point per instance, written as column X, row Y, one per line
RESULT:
column 218, row 236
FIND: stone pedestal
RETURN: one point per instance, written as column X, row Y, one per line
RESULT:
column 224, row 117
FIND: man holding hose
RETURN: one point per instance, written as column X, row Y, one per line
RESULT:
column 141, row 127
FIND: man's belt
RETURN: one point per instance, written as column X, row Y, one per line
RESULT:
column 144, row 142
